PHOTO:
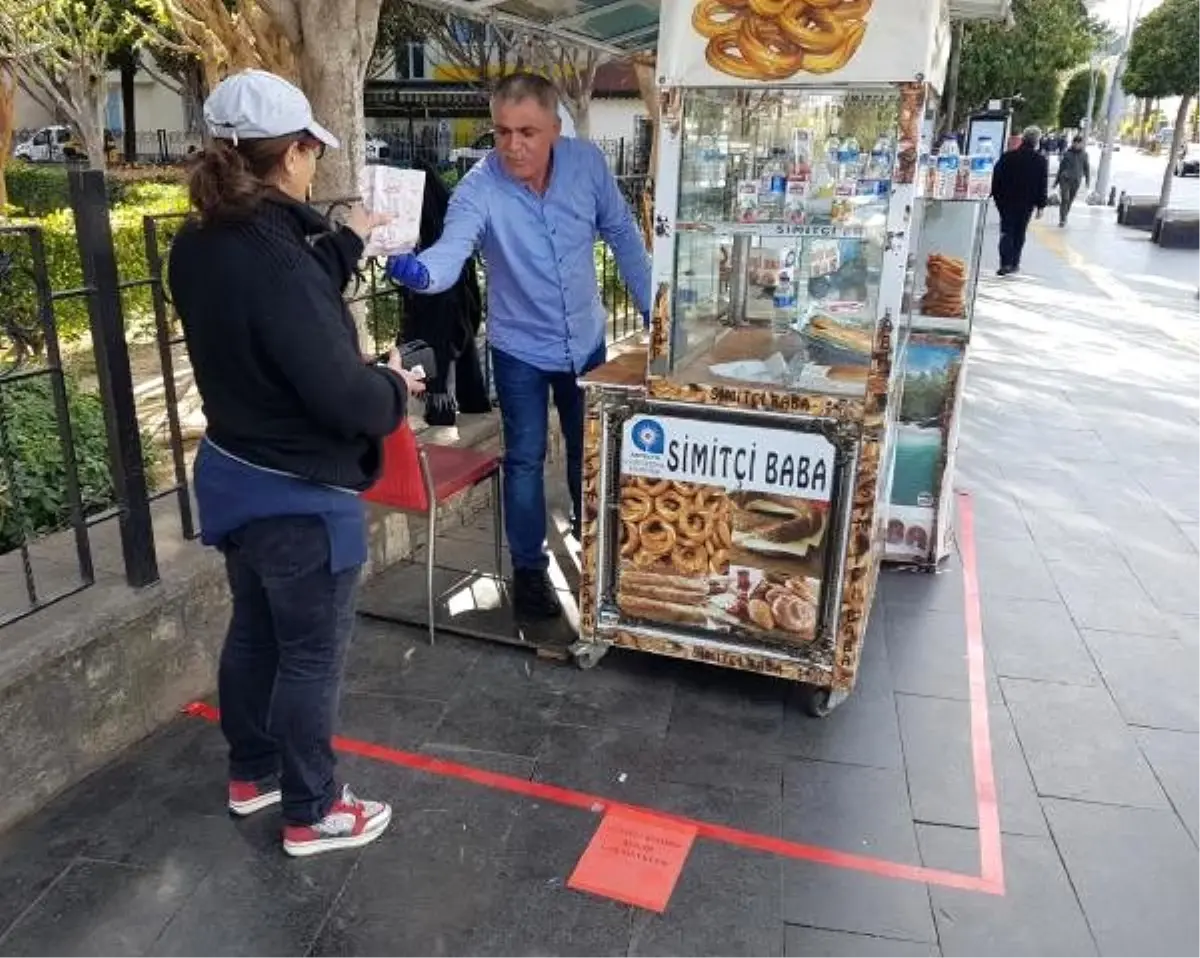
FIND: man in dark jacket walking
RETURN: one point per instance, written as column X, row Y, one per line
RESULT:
column 1018, row 188
column 1073, row 169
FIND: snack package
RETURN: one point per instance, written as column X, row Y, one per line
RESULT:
column 400, row 194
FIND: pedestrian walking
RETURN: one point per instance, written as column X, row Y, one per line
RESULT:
column 534, row 207
column 1073, row 170
column 1019, row 188
column 295, row 420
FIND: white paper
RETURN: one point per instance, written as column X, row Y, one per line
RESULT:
column 399, row 194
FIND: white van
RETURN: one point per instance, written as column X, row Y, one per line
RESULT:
column 47, row 145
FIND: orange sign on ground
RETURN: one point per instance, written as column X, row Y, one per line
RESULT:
column 634, row 858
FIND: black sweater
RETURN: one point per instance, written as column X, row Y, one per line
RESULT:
column 274, row 348
column 1020, row 180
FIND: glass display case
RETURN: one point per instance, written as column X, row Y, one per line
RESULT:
column 931, row 363
column 780, row 229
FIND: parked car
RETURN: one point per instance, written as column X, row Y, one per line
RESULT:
column 1188, row 161
column 377, row 149
column 50, row 144
column 477, row 150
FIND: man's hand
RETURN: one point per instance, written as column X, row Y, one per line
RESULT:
column 362, row 222
column 414, row 383
column 408, row 271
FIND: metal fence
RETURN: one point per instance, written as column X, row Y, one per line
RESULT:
column 119, row 488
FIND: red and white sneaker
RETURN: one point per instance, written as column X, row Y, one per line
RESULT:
column 246, row 798
column 349, row 823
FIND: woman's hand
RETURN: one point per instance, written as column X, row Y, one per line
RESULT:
column 363, row 222
column 415, row 383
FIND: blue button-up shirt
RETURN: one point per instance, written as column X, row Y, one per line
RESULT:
column 544, row 307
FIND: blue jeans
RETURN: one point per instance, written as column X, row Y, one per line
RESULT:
column 524, row 392
column 281, row 667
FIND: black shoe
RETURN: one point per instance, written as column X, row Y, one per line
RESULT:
column 1003, row 271
column 534, row 596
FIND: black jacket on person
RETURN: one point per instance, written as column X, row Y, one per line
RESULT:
column 448, row 321
column 1020, row 180
column 1075, row 167
column 274, row 348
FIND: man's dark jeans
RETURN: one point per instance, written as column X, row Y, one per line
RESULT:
column 281, row 667
column 524, row 392
column 1013, row 224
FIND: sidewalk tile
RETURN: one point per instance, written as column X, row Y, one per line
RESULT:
column 495, row 719
column 940, row 766
column 101, row 909
column 391, row 720
column 617, row 763
column 1153, row 680
column 630, row 689
column 1029, row 639
column 802, row 941
column 727, row 901
column 860, row 810
column 1069, row 535
column 256, row 899
column 1175, row 759
column 427, row 885
column 1078, row 746
column 1135, row 872
column 1037, row 915
column 388, row 659
column 1106, row 597
column 1013, row 570
column 861, row 731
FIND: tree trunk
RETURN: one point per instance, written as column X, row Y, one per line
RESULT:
column 580, row 108
column 332, row 43
column 1180, row 137
column 86, row 89
column 951, row 98
column 194, row 92
column 8, row 116
column 129, row 68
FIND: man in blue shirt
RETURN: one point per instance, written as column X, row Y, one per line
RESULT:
column 534, row 208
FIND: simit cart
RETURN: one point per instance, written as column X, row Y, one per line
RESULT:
column 737, row 465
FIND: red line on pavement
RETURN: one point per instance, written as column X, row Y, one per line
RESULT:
column 989, row 881
column 991, row 860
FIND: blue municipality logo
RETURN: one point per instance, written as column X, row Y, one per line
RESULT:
column 649, row 437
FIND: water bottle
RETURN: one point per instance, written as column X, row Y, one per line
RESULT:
column 948, row 162
column 848, row 157
column 880, row 165
column 772, row 188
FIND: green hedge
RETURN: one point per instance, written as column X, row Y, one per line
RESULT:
column 66, row 273
column 36, row 189
column 40, row 474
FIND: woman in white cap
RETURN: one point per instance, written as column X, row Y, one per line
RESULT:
column 294, row 424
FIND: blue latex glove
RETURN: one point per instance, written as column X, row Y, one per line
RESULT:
column 408, row 271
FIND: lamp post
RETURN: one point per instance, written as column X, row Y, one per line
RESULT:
column 1098, row 194
column 1096, row 62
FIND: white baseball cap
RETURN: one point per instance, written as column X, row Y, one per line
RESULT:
column 257, row 105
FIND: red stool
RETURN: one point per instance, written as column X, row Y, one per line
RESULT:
column 417, row 478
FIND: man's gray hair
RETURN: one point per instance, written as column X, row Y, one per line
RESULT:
column 526, row 86
column 1032, row 134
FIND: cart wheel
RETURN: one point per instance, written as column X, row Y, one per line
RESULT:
column 818, row 702
column 588, row 654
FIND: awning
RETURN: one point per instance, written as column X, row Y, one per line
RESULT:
column 627, row 26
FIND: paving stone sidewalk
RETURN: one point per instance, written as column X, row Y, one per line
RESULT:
column 1079, row 447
